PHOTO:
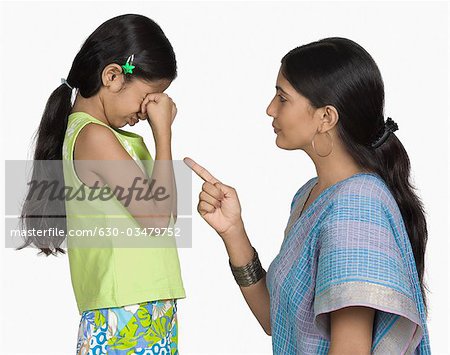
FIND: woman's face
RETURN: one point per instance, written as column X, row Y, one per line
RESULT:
column 123, row 102
column 293, row 116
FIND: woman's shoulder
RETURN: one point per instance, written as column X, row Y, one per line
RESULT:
column 370, row 185
column 364, row 192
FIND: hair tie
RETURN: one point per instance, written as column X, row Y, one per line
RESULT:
column 74, row 91
column 389, row 127
column 64, row 81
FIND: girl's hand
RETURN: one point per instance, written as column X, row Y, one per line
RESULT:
column 161, row 111
column 219, row 204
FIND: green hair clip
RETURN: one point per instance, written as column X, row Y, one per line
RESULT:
column 128, row 67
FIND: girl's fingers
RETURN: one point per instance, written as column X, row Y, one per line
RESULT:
column 155, row 97
column 144, row 105
column 203, row 196
column 142, row 116
column 145, row 102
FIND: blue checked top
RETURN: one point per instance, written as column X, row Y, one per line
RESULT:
column 348, row 248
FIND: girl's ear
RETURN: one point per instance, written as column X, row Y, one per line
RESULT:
column 111, row 76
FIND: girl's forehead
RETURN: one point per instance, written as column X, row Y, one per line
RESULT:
column 146, row 87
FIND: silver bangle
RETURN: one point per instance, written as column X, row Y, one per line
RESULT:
column 249, row 274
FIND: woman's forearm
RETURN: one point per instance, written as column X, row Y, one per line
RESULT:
column 240, row 252
column 219, row 206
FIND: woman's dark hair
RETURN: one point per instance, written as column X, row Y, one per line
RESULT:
column 339, row 72
column 112, row 42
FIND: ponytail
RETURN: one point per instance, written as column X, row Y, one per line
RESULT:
column 394, row 167
column 49, row 142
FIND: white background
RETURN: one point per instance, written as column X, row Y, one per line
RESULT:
column 228, row 57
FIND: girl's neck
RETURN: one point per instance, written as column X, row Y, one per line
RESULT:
column 89, row 106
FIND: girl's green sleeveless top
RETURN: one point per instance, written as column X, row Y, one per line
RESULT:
column 114, row 276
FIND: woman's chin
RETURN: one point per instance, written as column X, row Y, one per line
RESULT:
column 283, row 144
column 279, row 145
column 278, row 141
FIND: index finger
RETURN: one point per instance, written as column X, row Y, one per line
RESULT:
column 200, row 171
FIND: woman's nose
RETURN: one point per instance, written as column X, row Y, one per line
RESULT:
column 270, row 109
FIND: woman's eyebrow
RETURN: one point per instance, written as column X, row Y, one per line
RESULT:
column 279, row 88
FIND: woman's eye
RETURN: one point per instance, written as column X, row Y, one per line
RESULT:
column 282, row 99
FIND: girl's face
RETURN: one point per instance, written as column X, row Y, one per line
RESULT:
column 122, row 103
column 293, row 116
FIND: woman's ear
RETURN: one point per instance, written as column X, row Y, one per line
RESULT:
column 327, row 118
column 330, row 116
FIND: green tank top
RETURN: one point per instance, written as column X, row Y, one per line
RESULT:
column 114, row 276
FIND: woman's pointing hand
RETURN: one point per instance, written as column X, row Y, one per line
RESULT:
column 218, row 203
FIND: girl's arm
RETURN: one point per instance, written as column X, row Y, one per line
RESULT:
column 163, row 172
column 161, row 112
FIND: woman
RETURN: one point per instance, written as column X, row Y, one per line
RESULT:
column 348, row 278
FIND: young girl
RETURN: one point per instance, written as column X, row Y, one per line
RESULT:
column 348, row 278
column 126, row 295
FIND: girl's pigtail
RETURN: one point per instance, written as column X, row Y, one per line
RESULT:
column 37, row 213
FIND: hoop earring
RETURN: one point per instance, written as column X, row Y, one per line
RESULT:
column 314, row 147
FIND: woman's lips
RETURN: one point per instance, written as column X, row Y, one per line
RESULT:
column 276, row 130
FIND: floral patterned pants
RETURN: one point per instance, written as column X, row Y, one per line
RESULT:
column 139, row 329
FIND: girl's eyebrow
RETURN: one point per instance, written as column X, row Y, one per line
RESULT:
column 279, row 88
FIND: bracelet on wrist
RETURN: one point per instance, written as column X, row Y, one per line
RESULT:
column 248, row 274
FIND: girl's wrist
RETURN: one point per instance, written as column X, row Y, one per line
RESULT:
column 162, row 137
column 160, row 133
